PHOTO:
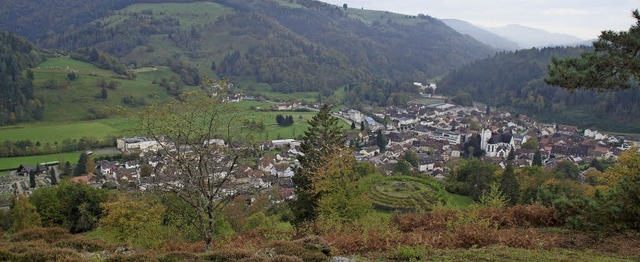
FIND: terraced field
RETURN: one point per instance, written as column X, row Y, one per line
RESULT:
column 406, row 194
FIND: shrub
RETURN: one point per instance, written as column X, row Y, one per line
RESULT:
column 284, row 258
column 48, row 234
column 82, row 244
column 179, row 256
column 132, row 258
column 228, row 255
column 48, row 254
column 409, row 253
column 295, row 249
column 474, row 235
column 315, row 244
column 186, row 247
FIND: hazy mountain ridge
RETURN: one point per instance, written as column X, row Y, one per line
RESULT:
column 482, row 35
column 528, row 37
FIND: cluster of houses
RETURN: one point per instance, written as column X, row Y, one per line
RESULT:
column 439, row 134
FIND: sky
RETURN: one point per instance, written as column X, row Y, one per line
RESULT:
column 581, row 18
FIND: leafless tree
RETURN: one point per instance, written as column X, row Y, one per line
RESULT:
column 201, row 140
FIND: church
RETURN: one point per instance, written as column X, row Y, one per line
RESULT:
column 496, row 144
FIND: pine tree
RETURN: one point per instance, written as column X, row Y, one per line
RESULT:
column 512, row 154
column 614, row 64
column 381, row 141
column 52, row 176
column 67, row 169
column 82, row 165
column 509, row 185
column 320, row 140
column 103, row 93
column 537, row 159
column 32, row 180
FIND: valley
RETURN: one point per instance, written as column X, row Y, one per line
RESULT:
column 296, row 130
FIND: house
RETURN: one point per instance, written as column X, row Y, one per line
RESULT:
column 282, row 170
column 266, row 163
column 370, row 151
column 567, row 130
column 107, row 168
column 427, row 164
column 137, row 143
column 454, row 138
column 354, row 115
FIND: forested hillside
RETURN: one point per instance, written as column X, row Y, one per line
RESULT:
column 298, row 45
column 514, row 80
column 38, row 19
column 17, row 99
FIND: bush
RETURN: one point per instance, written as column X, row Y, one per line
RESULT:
column 283, row 258
column 179, row 256
column 295, row 249
column 132, row 258
column 48, row 234
column 82, row 244
column 48, row 254
column 228, row 255
column 409, row 253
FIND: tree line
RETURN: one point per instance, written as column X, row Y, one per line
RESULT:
column 30, row 148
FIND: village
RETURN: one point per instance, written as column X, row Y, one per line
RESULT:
column 439, row 133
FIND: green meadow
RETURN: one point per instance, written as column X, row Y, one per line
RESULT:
column 14, row 162
column 72, row 100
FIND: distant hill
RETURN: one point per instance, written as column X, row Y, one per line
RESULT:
column 480, row 34
column 528, row 37
column 514, row 81
column 293, row 45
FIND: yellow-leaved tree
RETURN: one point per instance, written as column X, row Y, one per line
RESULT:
column 627, row 165
column 136, row 220
column 335, row 179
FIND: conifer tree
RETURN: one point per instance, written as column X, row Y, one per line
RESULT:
column 614, row 64
column 319, row 141
column 509, row 185
column 52, row 175
column 537, row 159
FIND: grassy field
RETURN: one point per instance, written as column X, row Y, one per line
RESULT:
column 100, row 129
column 189, row 14
column 14, row 162
column 71, row 100
column 272, row 129
column 371, row 16
column 57, row 132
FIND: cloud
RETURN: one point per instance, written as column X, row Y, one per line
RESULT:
column 567, row 11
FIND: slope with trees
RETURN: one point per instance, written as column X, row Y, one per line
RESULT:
column 18, row 101
column 308, row 45
column 515, row 81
